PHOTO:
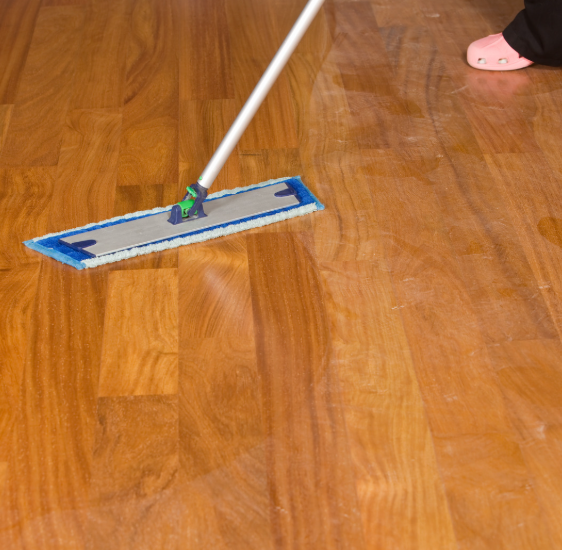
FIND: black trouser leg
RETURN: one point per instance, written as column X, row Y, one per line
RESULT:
column 536, row 32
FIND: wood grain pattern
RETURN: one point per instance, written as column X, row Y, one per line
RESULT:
column 5, row 116
column 376, row 374
column 17, row 25
column 135, row 474
column 206, row 76
column 380, row 375
column 530, row 377
column 140, row 351
column 51, row 451
column 483, row 444
column 86, row 179
column 301, row 396
column 25, row 206
column 148, row 151
column 136, row 198
column 273, row 126
column 35, row 132
column 18, row 287
column 99, row 82
column 221, row 423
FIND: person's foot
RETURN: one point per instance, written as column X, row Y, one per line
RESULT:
column 493, row 53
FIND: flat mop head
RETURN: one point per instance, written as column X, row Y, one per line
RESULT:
column 145, row 232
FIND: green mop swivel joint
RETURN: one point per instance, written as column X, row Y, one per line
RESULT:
column 190, row 207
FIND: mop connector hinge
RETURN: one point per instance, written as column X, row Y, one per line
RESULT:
column 190, row 207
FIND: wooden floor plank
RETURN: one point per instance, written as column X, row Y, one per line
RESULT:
column 547, row 121
column 138, row 198
column 17, row 24
column 472, row 446
column 273, row 126
column 207, row 76
column 50, row 464
column 401, row 507
column 472, row 207
column 87, row 169
column 5, row 116
column 532, row 197
column 35, row 132
column 149, row 142
column 100, row 72
column 18, row 286
column 25, row 206
column 530, row 376
column 222, row 435
column 380, row 374
column 307, row 451
column 135, row 473
column 140, row 350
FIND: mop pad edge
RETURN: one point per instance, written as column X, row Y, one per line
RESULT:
column 313, row 205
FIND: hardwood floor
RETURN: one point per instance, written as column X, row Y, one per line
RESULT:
column 385, row 374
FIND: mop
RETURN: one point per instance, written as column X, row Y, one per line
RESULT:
column 199, row 216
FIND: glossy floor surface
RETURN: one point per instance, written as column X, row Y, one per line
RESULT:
column 385, row 374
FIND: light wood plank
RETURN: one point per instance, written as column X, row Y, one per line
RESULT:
column 401, row 506
column 140, row 341
column 477, row 448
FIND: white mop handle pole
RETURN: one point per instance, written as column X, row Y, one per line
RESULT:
column 260, row 92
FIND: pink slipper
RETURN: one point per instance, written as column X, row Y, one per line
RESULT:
column 493, row 53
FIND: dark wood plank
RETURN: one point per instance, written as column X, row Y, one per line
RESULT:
column 41, row 104
column 149, row 141
column 222, row 449
column 307, row 451
column 51, row 455
column 99, row 81
column 17, row 24
column 207, row 76
column 135, row 474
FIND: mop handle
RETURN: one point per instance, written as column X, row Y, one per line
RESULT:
column 258, row 95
